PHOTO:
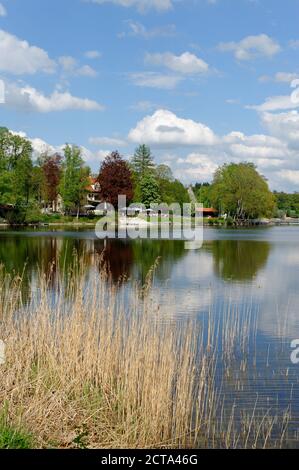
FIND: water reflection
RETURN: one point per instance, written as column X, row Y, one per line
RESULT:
column 260, row 268
column 234, row 273
column 239, row 260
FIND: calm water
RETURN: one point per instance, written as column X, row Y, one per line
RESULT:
column 236, row 270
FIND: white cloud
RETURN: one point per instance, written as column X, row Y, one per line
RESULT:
column 70, row 66
column 283, row 125
column 286, row 77
column 280, row 77
column 137, row 29
column 87, row 71
column 166, row 129
column 155, row 80
column 92, row 54
column 19, row 57
column 141, row 5
column 2, row 10
column 203, row 166
column 185, row 63
column 107, row 141
column 27, row 98
column 68, row 63
column 290, row 175
column 275, row 103
column 40, row 147
column 246, row 152
column 251, row 47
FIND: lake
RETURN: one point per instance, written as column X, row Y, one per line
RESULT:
column 249, row 274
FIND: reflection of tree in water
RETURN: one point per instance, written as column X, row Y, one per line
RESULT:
column 53, row 255
column 115, row 258
column 239, row 259
column 75, row 254
column 146, row 253
column 28, row 256
column 125, row 259
column 24, row 257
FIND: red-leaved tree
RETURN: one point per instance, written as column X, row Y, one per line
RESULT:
column 52, row 173
column 115, row 179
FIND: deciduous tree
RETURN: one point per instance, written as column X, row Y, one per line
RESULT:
column 241, row 192
column 115, row 179
column 75, row 179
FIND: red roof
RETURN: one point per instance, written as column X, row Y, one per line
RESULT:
column 92, row 181
column 207, row 209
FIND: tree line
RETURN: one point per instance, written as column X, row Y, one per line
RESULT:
column 29, row 185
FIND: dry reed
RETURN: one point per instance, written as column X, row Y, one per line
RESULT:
column 93, row 365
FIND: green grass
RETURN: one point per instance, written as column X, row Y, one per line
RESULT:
column 11, row 438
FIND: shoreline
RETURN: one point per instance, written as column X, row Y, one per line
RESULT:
column 206, row 223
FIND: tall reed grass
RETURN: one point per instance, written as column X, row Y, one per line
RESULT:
column 91, row 364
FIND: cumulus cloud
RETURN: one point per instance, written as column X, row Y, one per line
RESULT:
column 198, row 165
column 276, row 103
column 290, row 175
column 166, row 129
column 185, row 63
column 283, row 125
column 41, row 147
column 252, row 47
column 70, row 67
column 275, row 153
column 19, row 57
column 27, row 98
column 141, row 5
column 155, row 80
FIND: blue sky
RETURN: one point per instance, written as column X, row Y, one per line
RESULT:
column 203, row 82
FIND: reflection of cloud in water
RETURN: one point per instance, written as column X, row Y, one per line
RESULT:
column 271, row 286
column 257, row 267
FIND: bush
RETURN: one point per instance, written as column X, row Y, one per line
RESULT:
column 33, row 214
column 18, row 215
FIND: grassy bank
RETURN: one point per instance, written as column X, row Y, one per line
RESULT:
column 90, row 367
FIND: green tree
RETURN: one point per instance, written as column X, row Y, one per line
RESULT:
column 75, row 179
column 241, row 192
column 173, row 192
column 203, row 193
column 142, row 162
column 287, row 204
column 150, row 191
column 15, row 168
column 163, row 172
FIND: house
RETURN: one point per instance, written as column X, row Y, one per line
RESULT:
column 207, row 212
column 93, row 197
